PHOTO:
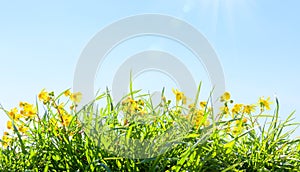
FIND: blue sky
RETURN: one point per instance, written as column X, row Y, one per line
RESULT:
column 257, row 43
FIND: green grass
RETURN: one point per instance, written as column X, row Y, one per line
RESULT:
column 135, row 135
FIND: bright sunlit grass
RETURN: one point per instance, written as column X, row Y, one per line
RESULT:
column 56, row 136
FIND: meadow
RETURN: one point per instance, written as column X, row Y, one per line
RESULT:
column 178, row 134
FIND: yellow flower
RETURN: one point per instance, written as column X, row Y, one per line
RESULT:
column 53, row 121
column 248, row 109
column 5, row 141
column 236, row 130
column 141, row 102
column 29, row 110
column 198, row 119
column 131, row 101
column 179, row 95
column 238, row 122
column 61, row 106
column 67, row 93
column 5, row 133
column 44, row 96
column 23, row 129
column 131, row 106
column 66, row 119
column 225, row 110
column 22, row 104
column 191, row 106
column 228, row 130
column 236, row 108
column 5, row 138
column 199, row 113
column 13, row 113
column 265, row 103
column 76, row 97
column 31, row 113
column 72, row 107
column 17, row 116
column 225, row 97
column 143, row 112
column 203, row 104
column 9, row 125
column 245, row 120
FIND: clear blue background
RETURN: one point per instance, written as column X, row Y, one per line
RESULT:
column 257, row 43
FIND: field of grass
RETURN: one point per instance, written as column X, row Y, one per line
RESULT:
column 53, row 134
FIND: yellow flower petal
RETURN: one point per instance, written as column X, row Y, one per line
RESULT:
column 225, row 97
column 67, row 93
column 44, row 96
column 76, row 97
column 9, row 125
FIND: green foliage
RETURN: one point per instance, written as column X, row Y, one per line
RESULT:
column 135, row 135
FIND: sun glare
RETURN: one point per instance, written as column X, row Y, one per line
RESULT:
column 217, row 11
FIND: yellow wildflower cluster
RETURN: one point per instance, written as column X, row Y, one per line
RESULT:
column 22, row 116
column 19, row 117
column 238, row 127
column 63, row 121
column 6, row 139
column 240, row 109
column 46, row 97
column 26, row 111
column 131, row 106
column 63, row 116
column 198, row 119
column 198, row 116
column 11, row 125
